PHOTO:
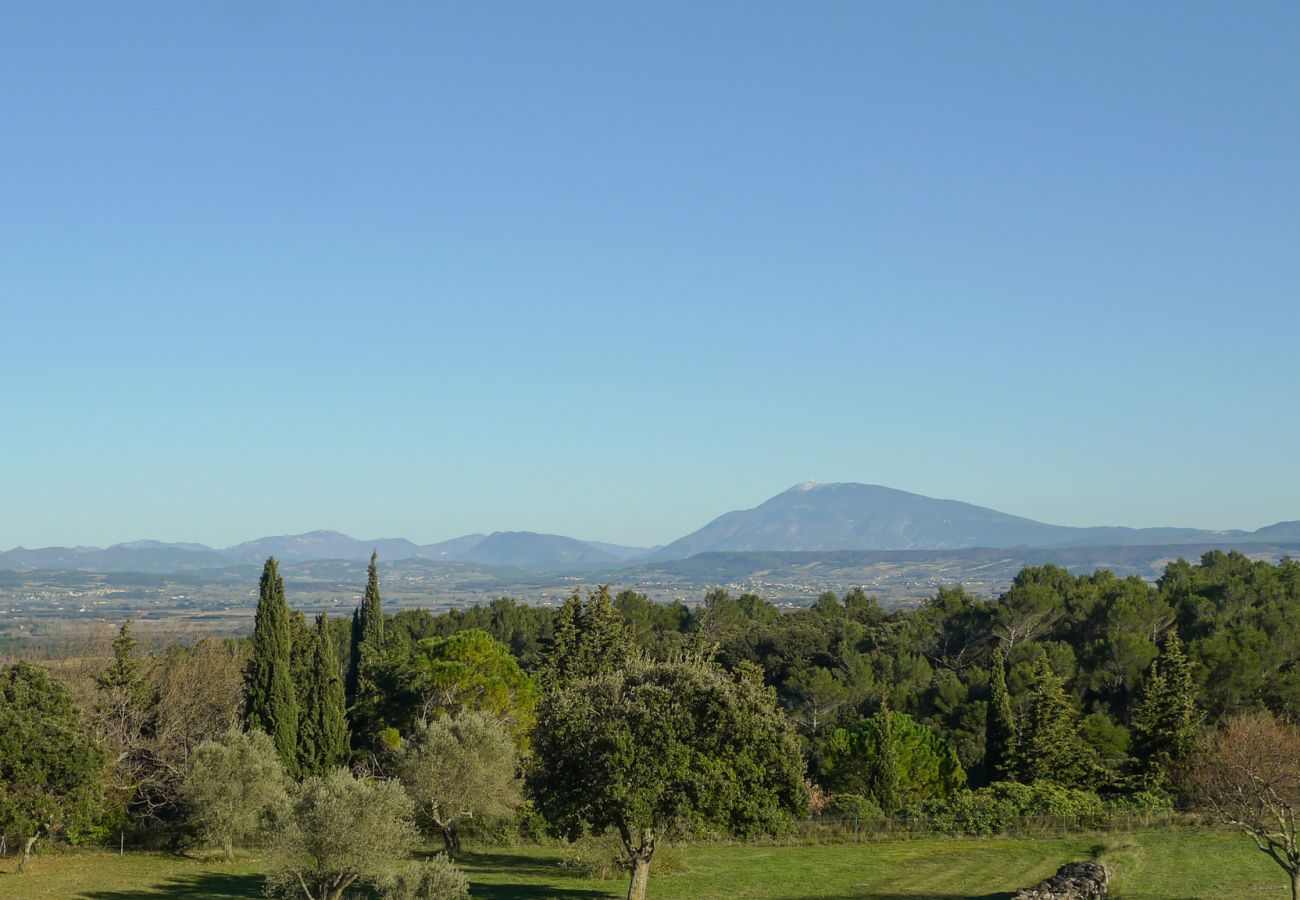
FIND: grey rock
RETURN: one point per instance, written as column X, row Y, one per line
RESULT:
column 1073, row 881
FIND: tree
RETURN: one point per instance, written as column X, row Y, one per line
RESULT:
column 1250, row 778
column 367, row 629
column 323, row 724
column 458, row 767
column 884, row 767
column 472, row 671
column 657, row 745
column 1000, row 728
column 590, row 638
column 340, row 830
column 1049, row 747
column 1166, row 723
column 123, row 717
column 816, row 695
column 234, row 788
column 50, row 766
column 271, row 702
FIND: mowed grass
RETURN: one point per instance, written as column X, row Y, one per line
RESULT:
column 1171, row 865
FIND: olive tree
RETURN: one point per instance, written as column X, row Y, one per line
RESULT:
column 661, row 746
column 1250, row 778
column 234, row 788
column 50, row 765
column 339, row 830
column 461, row 767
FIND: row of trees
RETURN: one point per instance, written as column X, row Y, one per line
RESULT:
column 1091, row 682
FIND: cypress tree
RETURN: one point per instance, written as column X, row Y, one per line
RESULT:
column 562, row 656
column 1049, row 746
column 884, row 775
column 589, row 638
column 1000, row 726
column 365, row 652
column 1165, row 719
column 323, row 727
column 270, row 702
column 123, row 676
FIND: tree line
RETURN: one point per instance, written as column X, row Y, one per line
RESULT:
column 651, row 721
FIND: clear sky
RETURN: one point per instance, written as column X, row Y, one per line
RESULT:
column 611, row 269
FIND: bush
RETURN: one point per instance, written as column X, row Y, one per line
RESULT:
column 1007, row 806
column 862, row 810
column 603, row 857
column 428, row 879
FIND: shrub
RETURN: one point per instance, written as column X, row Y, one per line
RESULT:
column 428, row 879
column 1007, row 805
column 862, row 810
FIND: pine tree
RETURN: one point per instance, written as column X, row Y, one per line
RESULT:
column 323, row 727
column 884, row 774
column 270, row 702
column 1165, row 719
column 1049, row 745
column 1000, row 726
column 566, row 637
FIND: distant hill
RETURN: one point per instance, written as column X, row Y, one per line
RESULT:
column 529, row 550
column 849, row 516
column 451, row 549
column 320, row 545
column 139, row 556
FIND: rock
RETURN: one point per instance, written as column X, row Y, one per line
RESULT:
column 1073, row 881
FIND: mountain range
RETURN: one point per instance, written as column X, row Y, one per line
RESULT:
column 808, row 517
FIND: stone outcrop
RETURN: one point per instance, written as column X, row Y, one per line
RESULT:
column 1073, row 881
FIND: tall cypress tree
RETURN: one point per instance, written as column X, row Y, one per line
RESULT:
column 885, row 776
column 1000, row 726
column 323, row 727
column 270, row 701
column 367, row 631
column 1049, row 746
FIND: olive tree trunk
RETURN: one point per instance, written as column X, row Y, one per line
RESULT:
column 639, row 851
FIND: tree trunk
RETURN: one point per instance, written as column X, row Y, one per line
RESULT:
column 27, row 852
column 1295, row 884
column 450, row 840
column 640, row 876
column 228, row 848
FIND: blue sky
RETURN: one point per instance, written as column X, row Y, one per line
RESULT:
column 610, row 269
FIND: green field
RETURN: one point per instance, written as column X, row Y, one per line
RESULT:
column 1174, row 863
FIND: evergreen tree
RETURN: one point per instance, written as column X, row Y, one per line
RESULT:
column 1165, row 720
column 1049, row 746
column 323, row 727
column 366, row 656
column 123, row 678
column 270, row 702
column 1000, row 725
column 590, row 639
column 885, row 775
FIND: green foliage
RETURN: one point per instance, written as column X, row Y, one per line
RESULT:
column 1049, row 745
column 322, row 725
column 590, row 639
column 270, row 701
column 364, row 691
column 1166, row 722
column 661, row 746
column 1008, row 806
column 50, row 765
column 234, row 789
column 340, row 830
column 460, row 767
column 892, row 758
column 472, row 671
column 436, row 878
column 1000, row 730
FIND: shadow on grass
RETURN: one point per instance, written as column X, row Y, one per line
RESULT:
column 529, row 876
column 205, row 886
column 895, row 895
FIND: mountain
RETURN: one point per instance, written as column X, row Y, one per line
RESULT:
column 620, row 552
column 452, row 549
column 320, row 545
column 850, row 516
column 529, row 550
column 138, row 556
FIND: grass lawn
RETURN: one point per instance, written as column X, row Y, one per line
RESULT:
column 1165, row 864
